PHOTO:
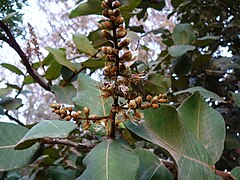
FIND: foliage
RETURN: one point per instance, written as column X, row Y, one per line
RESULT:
column 174, row 117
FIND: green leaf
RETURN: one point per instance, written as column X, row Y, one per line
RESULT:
column 111, row 159
column 9, row 17
column 182, row 65
column 64, row 94
column 10, row 103
column 28, row 80
column 157, row 83
column 236, row 172
column 60, row 173
column 53, row 71
column 5, row 91
column 206, row 40
column 87, row 8
column 179, row 50
column 12, row 68
column 10, row 134
column 236, row 98
column 130, row 5
column 60, row 57
column 205, row 123
column 183, row 34
column 164, row 127
column 94, row 64
column 83, row 44
column 89, row 95
column 204, row 92
column 46, row 129
column 151, row 167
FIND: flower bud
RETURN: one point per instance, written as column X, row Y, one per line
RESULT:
column 119, row 20
column 121, row 32
column 127, row 56
column 113, row 19
column 113, row 70
column 86, row 111
column 104, row 49
column 116, row 12
column 110, row 13
column 164, row 96
column 79, row 113
column 106, row 34
column 67, row 118
column 132, row 104
column 116, row 4
column 124, row 43
column 108, row 25
column 86, row 125
column 62, row 111
column 110, row 58
column 149, row 98
column 139, row 115
column 105, row 13
column 138, row 100
column 147, row 105
column 53, row 105
column 155, row 99
column 155, row 106
column 104, row 5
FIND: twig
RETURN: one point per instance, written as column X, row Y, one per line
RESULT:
column 67, row 143
column 13, row 119
column 12, row 42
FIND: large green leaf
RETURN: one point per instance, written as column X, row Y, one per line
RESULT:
column 83, row 44
column 165, row 128
column 12, row 68
column 87, row 8
column 10, row 134
column 206, row 40
column 179, row 50
column 236, row 172
column 53, row 71
column 10, row 103
column 60, row 57
column 64, row 94
column 205, row 123
column 204, row 92
column 151, row 167
column 89, row 95
column 111, row 159
column 236, row 98
column 94, row 64
column 183, row 34
column 182, row 65
column 5, row 91
column 46, row 129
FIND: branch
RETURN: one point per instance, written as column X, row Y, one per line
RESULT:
column 67, row 143
column 12, row 42
column 13, row 119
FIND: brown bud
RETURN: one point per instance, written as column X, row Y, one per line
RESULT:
column 79, row 113
column 121, row 32
column 109, row 50
column 127, row 56
column 75, row 116
column 107, row 68
column 58, row 106
column 116, row 4
column 116, row 12
column 57, row 111
column 86, row 111
column 124, row 43
column 70, row 109
column 139, row 115
column 164, row 96
column 149, row 98
column 110, row 58
column 104, row 49
column 147, row 105
column 110, row 13
column 67, row 118
column 119, row 20
column 104, row 5
column 113, row 19
column 113, row 70
column 138, row 100
column 162, row 100
column 53, row 105
column 155, row 106
column 86, row 125
column 108, row 25
column 105, row 13
column 106, row 34
column 132, row 104
column 155, row 99
column 62, row 111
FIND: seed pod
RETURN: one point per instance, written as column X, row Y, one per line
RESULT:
column 105, row 13
column 149, row 98
column 121, row 32
column 106, row 34
column 127, row 56
column 116, row 4
column 119, row 20
column 86, row 125
column 132, row 104
column 138, row 100
column 108, row 25
column 124, row 43
column 104, row 5
column 86, row 111
column 67, row 118
column 155, row 106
